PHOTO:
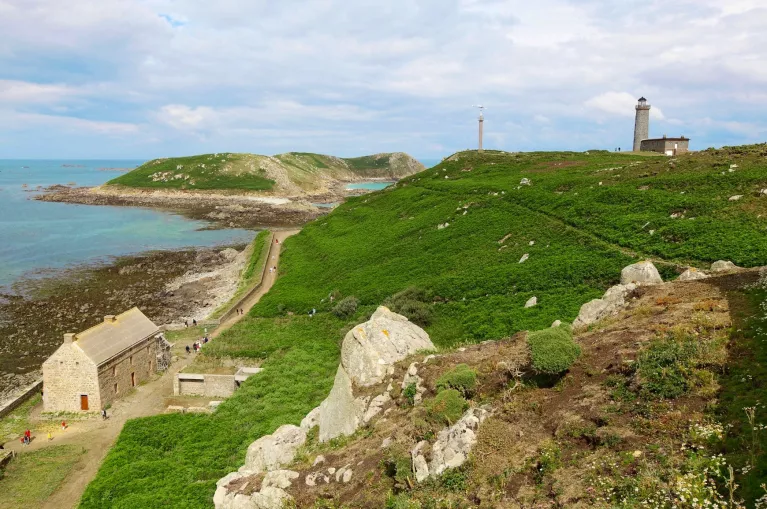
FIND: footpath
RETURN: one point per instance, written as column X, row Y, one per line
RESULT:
column 97, row 435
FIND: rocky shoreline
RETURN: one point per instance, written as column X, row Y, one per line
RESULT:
column 168, row 286
column 224, row 210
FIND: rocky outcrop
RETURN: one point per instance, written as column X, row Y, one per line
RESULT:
column 611, row 302
column 532, row 301
column 692, row 274
column 642, row 273
column 368, row 355
column 452, row 447
column 271, row 452
column 370, row 349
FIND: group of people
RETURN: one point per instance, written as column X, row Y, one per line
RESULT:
column 272, row 269
column 26, row 439
column 197, row 345
column 240, row 311
column 194, row 323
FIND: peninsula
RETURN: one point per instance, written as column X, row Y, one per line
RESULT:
column 241, row 190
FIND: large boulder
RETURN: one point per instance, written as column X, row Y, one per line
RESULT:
column 692, row 274
column 642, row 273
column 269, row 497
column 370, row 349
column 273, row 451
column 611, row 302
column 340, row 413
column 723, row 266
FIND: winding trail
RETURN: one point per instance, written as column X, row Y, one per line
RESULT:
column 97, row 436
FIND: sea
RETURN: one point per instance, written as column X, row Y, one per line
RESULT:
column 37, row 238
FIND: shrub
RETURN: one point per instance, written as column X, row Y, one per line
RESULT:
column 398, row 465
column 409, row 393
column 446, row 407
column 552, row 350
column 413, row 303
column 346, row 307
column 461, row 378
column 453, row 479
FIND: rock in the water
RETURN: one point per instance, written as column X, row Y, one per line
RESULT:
column 271, row 452
column 339, row 413
column 723, row 266
column 371, row 348
column 692, row 274
column 643, row 273
column 454, row 444
column 611, row 302
column 532, row 301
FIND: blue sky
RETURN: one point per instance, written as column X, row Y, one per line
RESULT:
column 151, row 78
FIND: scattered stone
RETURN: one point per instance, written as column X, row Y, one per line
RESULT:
column 454, row 444
column 279, row 478
column 692, row 274
column 524, row 258
column 736, row 197
column 347, row 475
column 610, row 303
column 319, row 460
column 524, row 182
column 556, row 323
column 386, row 442
column 532, row 301
column 723, row 266
column 442, row 226
column 641, row 273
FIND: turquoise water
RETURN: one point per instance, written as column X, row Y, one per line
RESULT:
column 373, row 186
column 38, row 235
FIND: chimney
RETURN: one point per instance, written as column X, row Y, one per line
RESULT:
column 68, row 338
column 109, row 319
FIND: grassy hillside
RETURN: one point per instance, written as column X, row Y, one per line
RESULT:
column 249, row 172
column 457, row 232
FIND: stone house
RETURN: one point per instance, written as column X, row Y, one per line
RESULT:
column 93, row 368
column 668, row 146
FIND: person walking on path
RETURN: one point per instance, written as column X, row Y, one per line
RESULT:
column 104, row 414
column 50, row 436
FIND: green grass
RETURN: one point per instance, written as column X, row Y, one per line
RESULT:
column 14, row 424
column 32, row 477
column 375, row 246
column 461, row 378
column 207, row 171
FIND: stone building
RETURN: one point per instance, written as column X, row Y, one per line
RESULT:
column 93, row 368
column 668, row 146
column 641, row 123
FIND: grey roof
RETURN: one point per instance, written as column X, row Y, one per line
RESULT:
column 109, row 338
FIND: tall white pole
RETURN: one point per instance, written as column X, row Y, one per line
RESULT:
column 481, row 125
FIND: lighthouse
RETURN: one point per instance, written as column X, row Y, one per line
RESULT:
column 641, row 123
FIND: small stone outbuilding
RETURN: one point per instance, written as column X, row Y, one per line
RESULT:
column 667, row 146
column 93, row 368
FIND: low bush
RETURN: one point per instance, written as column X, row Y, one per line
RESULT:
column 552, row 350
column 409, row 393
column 346, row 307
column 461, row 378
column 446, row 407
column 665, row 366
column 414, row 303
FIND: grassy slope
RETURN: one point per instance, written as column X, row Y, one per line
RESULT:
column 220, row 171
column 243, row 172
column 376, row 245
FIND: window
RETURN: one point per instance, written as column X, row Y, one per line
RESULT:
column 115, row 388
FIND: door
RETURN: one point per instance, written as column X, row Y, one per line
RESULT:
column 83, row 402
column 133, row 379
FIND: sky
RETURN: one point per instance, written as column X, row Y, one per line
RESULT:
column 151, row 78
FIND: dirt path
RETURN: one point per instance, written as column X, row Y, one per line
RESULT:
column 97, row 435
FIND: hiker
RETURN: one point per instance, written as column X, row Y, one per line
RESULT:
column 194, row 322
column 50, row 436
column 206, row 339
column 104, row 414
column 188, row 350
column 63, row 425
column 28, row 437
column 186, row 323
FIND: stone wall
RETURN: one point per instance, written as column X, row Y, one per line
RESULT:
column 141, row 361
column 220, row 386
column 68, row 374
column 20, row 397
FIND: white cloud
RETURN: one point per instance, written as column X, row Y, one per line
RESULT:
column 22, row 92
column 620, row 104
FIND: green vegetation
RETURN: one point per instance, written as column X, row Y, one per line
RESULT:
column 14, row 424
column 461, row 378
column 446, row 407
column 346, row 307
column 208, row 171
column 457, row 232
column 552, row 350
column 250, row 172
column 414, row 303
column 32, row 477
